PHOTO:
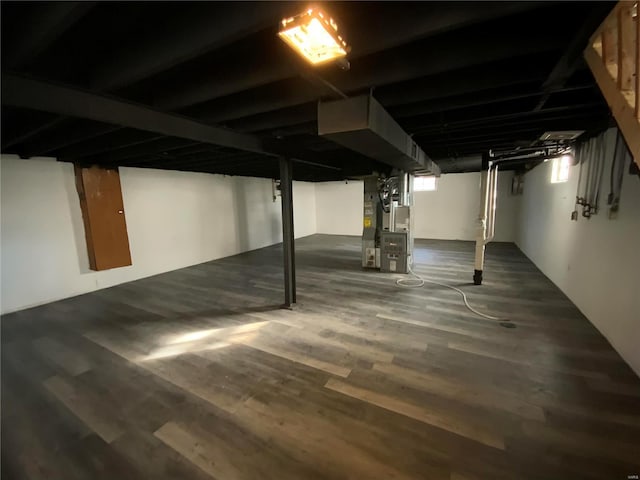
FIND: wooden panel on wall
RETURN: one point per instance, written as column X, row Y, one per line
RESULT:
column 103, row 215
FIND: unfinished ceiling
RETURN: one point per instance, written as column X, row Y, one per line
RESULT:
column 209, row 86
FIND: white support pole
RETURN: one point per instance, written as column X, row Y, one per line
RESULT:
column 481, row 226
column 486, row 224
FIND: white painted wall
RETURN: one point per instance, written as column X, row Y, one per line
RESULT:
column 448, row 213
column 339, row 207
column 595, row 262
column 451, row 211
column 304, row 209
column 174, row 219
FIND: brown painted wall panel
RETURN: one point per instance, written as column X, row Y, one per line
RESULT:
column 103, row 215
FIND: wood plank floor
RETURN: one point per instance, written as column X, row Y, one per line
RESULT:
column 197, row 374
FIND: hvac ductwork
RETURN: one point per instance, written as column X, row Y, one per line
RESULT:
column 364, row 126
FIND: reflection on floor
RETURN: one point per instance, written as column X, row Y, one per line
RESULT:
column 198, row 374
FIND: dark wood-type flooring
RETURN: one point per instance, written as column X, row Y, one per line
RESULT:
column 197, row 374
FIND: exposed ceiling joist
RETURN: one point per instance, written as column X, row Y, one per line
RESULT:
column 475, row 135
column 422, row 20
column 399, row 65
column 439, row 55
column 31, row 132
column 574, row 121
column 251, row 169
column 119, row 139
column 221, row 82
column 466, row 101
column 38, row 95
column 208, row 161
column 511, row 72
column 460, row 120
column 462, row 77
column 198, row 148
column 572, row 55
column 441, row 88
column 318, row 165
column 279, row 118
column 162, row 158
column 309, row 128
column 271, row 97
column 48, row 22
column 24, row 92
column 28, row 93
column 493, row 140
column 154, row 145
column 460, row 164
column 69, row 132
column 203, row 27
column 217, row 84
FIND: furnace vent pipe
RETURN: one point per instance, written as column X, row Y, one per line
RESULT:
column 403, row 189
column 363, row 125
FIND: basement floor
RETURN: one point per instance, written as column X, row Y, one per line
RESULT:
column 197, row 374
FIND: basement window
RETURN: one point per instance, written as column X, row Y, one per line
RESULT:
column 424, row 184
column 560, row 169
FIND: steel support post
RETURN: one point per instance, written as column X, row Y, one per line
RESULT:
column 288, row 242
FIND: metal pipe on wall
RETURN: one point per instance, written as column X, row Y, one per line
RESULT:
column 392, row 215
column 489, row 205
column 403, row 189
column 493, row 201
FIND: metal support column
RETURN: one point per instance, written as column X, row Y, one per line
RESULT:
column 288, row 243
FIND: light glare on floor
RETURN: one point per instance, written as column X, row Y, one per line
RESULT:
column 200, row 340
column 175, row 350
column 222, row 332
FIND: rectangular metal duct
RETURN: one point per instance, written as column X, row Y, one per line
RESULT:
column 363, row 125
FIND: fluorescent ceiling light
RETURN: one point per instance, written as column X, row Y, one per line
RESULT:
column 314, row 35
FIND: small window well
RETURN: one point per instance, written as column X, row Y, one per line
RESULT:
column 424, row 184
column 560, row 169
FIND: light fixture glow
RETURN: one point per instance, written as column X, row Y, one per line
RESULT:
column 314, row 36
